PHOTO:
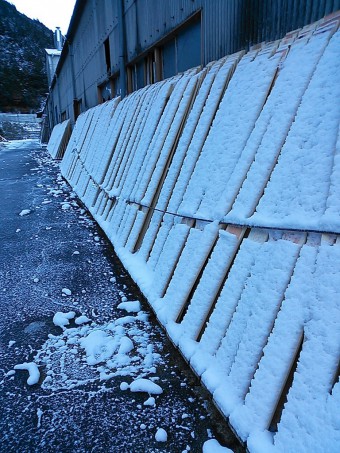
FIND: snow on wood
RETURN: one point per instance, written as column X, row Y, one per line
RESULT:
column 167, row 223
column 207, row 290
column 225, row 307
column 187, row 154
column 133, row 138
column 265, row 142
column 59, row 139
column 168, row 128
column 197, row 248
column 252, row 139
column 247, row 333
column 239, row 109
column 169, row 255
column 150, row 235
column 296, row 195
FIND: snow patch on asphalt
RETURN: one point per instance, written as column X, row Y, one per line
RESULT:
column 93, row 352
column 24, row 212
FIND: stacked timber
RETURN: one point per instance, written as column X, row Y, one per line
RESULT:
column 59, row 139
column 219, row 189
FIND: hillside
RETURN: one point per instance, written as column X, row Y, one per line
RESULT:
column 23, row 80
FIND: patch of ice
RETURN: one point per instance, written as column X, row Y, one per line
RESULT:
column 11, row 343
column 66, row 292
column 34, row 373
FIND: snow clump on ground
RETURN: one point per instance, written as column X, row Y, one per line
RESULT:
column 91, row 352
column 213, row 446
column 161, row 435
column 33, row 371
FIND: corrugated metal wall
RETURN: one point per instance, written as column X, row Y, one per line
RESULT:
column 227, row 26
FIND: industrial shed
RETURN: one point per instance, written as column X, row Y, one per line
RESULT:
column 114, row 47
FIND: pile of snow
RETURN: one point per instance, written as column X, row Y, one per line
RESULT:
column 61, row 319
column 133, row 306
column 143, row 385
column 92, row 351
column 82, row 320
column 213, row 446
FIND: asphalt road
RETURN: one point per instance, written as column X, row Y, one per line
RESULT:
column 73, row 408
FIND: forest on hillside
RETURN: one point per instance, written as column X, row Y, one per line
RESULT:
column 23, row 80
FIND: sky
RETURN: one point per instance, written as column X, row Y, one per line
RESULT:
column 52, row 13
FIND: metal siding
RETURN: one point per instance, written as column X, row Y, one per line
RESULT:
column 227, row 26
column 189, row 47
column 154, row 19
column 169, row 61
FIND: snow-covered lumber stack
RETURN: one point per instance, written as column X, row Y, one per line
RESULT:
column 220, row 191
column 59, row 139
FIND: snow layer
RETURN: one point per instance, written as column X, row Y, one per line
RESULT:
column 58, row 140
column 299, row 187
column 252, row 140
